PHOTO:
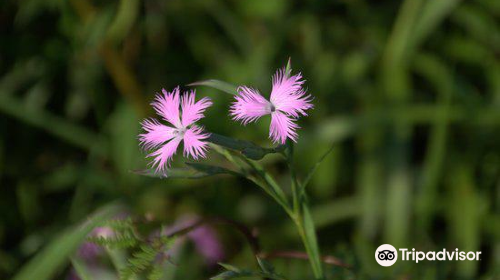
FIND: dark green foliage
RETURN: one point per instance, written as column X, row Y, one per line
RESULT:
column 248, row 149
column 123, row 235
column 147, row 256
column 121, row 241
column 156, row 272
column 141, row 260
column 148, row 259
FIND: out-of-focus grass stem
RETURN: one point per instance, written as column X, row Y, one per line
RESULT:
column 396, row 89
column 415, row 21
column 59, row 127
column 433, row 70
column 118, row 69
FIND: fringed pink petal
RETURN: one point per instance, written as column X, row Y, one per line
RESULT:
column 193, row 111
column 193, row 144
column 163, row 156
column 282, row 127
column 167, row 106
column 155, row 134
column 249, row 105
column 288, row 96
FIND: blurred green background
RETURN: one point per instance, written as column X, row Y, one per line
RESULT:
column 409, row 92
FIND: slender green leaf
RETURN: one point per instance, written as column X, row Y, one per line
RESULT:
column 463, row 213
column 330, row 213
column 293, row 175
column 230, row 24
column 118, row 258
column 58, row 126
column 313, row 170
column 248, row 149
column 210, row 170
column 173, row 173
column 439, row 76
column 195, row 171
column 124, row 20
column 81, row 269
column 220, row 85
column 433, row 13
column 288, row 69
column 54, row 256
column 230, row 267
column 265, row 266
column 265, row 182
column 226, row 275
column 271, row 186
column 312, row 242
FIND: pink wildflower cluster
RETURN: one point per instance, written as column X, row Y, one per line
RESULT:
column 288, row 101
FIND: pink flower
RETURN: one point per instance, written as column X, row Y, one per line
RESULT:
column 287, row 103
column 181, row 113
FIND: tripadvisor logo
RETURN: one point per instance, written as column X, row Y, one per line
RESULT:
column 387, row 255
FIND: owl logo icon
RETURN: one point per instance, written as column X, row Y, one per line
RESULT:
column 386, row 255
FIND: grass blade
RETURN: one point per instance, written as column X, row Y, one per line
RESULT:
column 81, row 269
column 210, row 170
column 54, row 256
column 195, row 171
column 248, row 149
column 220, row 85
column 313, row 170
column 69, row 132
column 311, row 242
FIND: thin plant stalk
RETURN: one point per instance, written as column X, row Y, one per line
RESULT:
column 299, row 204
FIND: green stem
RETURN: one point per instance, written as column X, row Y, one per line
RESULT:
column 295, row 190
column 299, row 212
column 266, row 182
column 280, row 196
column 295, row 184
column 299, row 208
column 313, row 256
column 296, row 194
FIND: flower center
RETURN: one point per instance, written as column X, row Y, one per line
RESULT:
column 180, row 132
column 270, row 107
